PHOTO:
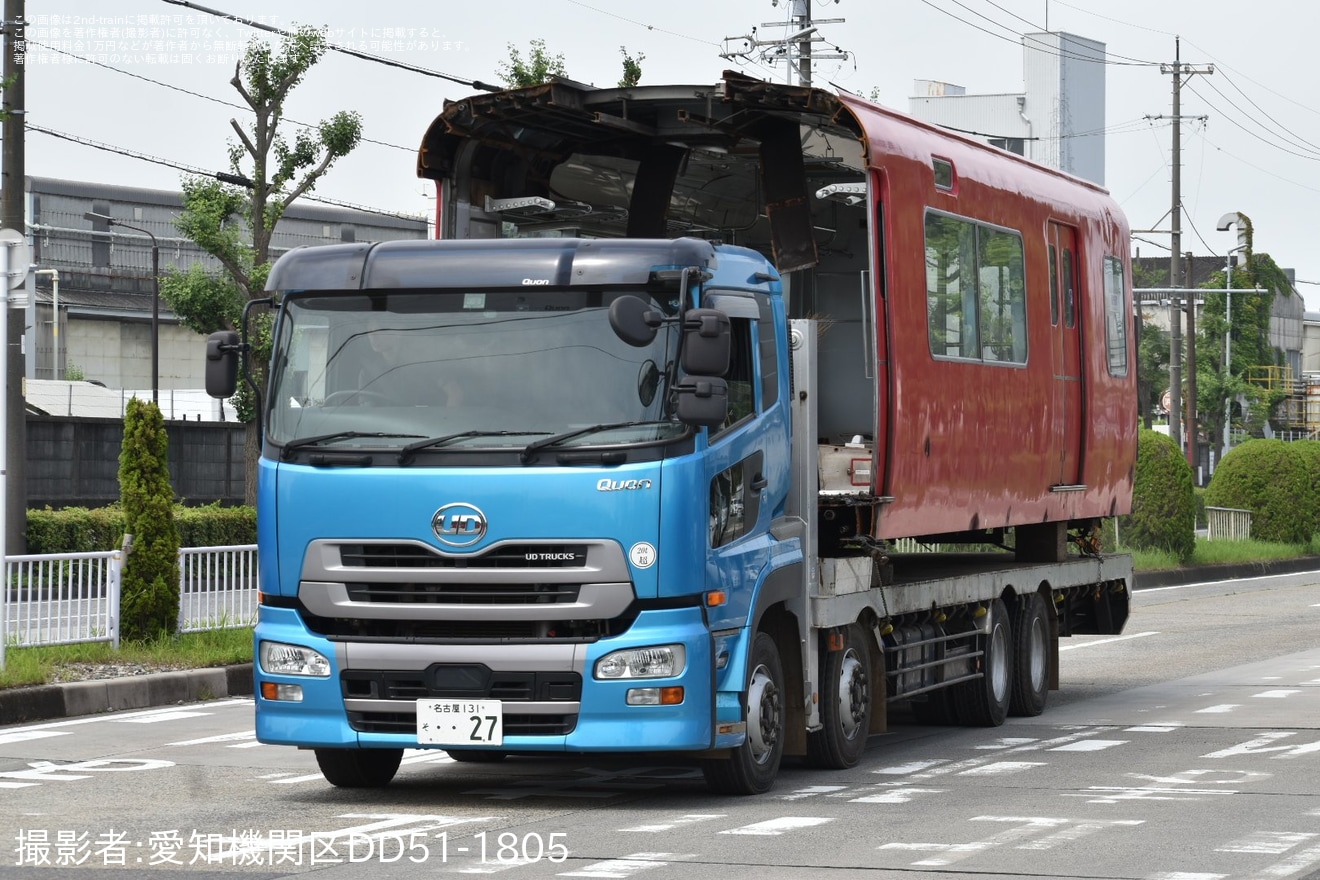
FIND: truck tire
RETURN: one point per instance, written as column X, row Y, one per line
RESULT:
column 751, row 767
column 359, row 768
column 1031, row 657
column 845, row 704
column 476, row 756
column 984, row 702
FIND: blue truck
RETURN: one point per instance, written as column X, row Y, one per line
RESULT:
column 551, row 493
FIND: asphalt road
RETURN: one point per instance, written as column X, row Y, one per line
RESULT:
column 1185, row 749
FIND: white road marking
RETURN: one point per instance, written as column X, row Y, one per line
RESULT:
column 627, row 866
column 1107, row 641
column 25, row 735
column 689, row 819
column 1276, row 694
column 811, row 791
column 1154, row 728
column 1274, row 843
column 1261, row 745
column 1090, row 745
column 167, row 715
column 895, row 796
column 1221, row 709
column 1007, row 742
column 775, row 827
column 904, row 769
column 1003, row 768
column 220, row 738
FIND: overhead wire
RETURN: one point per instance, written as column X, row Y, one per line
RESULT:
column 201, row 172
column 182, row 90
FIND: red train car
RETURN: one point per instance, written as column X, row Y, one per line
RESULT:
column 976, row 306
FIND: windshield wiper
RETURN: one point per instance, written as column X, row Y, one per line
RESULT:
column 530, row 450
column 407, row 452
column 337, row 435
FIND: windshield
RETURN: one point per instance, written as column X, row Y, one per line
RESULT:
column 465, row 369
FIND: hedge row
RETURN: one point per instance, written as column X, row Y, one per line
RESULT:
column 1163, row 499
column 88, row 530
column 1277, row 481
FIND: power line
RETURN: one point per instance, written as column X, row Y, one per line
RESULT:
column 649, row 27
column 365, row 56
column 201, row 172
column 213, row 100
column 1108, row 58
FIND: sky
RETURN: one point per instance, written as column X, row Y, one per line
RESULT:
column 160, row 86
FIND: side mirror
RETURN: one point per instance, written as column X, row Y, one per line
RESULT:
column 706, row 342
column 634, row 320
column 702, row 401
column 222, row 349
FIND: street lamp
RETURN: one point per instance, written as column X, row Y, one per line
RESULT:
column 1227, row 222
column 155, row 295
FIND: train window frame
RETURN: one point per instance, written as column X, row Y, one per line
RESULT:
column 1116, row 320
column 945, row 177
column 947, row 320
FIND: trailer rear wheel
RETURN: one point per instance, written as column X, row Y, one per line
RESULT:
column 751, row 767
column 1031, row 657
column 984, row 702
column 359, row 768
column 846, row 705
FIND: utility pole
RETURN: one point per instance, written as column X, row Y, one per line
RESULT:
column 1193, row 458
column 796, row 42
column 1179, row 71
column 13, row 215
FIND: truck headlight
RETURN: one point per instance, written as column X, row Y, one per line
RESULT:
column 277, row 658
column 660, row 661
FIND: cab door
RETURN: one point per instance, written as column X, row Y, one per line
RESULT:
column 1066, row 355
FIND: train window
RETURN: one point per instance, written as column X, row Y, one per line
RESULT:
column 1116, row 320
column 1003, row 300
column 943, row 173
column 951, row 287
column 1069, row 290
column 1054, row 287
column 976, row 304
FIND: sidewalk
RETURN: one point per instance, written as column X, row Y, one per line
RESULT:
column 71, row 699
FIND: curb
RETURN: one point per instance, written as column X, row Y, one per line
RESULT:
column 50, row 702
column 1177, row 577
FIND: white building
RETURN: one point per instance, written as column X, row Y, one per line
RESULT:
column 1059, row 117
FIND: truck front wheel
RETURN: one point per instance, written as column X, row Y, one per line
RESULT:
column 751, row 767
column 845, row 704
column 359, row 768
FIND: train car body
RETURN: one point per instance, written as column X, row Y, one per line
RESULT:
column 976, row 305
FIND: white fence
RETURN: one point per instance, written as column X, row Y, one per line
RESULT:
column 1227, row 524
column 64, row 599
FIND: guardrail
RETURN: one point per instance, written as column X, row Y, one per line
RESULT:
column 68, row 598
column 1227, row 524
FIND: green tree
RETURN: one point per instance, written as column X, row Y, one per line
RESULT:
column 233, row 220
column 536, row 69
column 149, row 603
column 632, row 68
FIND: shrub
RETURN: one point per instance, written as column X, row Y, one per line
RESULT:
column 87, row 530
column 1163, row 513
column 149, row 600
column 1276, row 481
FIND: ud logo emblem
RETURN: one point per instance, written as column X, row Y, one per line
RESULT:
column 459, row 525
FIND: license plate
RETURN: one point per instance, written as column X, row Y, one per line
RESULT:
column 460, row 723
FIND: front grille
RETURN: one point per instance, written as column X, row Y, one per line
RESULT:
column 515, row 724
column 463, row 594
column 550, row 556
column 463, row 630
column 461, row 682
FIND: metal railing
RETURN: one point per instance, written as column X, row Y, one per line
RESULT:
column 1227, row 524
column 217, row 587
column 68, row 598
